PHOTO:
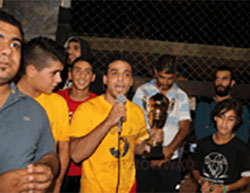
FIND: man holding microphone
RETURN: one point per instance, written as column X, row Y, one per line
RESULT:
column 108, row 154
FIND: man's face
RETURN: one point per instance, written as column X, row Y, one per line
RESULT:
column 119, row 78
column 82, row 75
column 48, row 78
column 74, row 51
column 10, row 51
column 165, row 80
column 223, row 83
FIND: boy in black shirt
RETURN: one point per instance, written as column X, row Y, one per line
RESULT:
column 222, row 162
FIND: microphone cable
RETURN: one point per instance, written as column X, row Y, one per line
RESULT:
column 118, row 163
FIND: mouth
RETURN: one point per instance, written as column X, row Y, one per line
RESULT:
column 81, row 82
column 4, row 66
column 119, row 88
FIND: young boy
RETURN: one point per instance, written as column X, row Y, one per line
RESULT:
column 217, row 157
column 82, row 76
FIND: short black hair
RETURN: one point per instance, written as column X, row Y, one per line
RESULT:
column 39, row 50
column 225, row 68
column 118, row 58
column 6, row 17
column 84, row 59
column 166, row 63
column 225, row 106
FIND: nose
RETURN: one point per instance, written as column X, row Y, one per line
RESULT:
column 82, row 74
column 5, row 48
column 218, row 81
column 224, row 121
column 120, row 77
column 69, row 50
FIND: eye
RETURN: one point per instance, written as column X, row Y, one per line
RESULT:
column 114, row 73
column 16, row 45
column 87, row 72
column 127, row 74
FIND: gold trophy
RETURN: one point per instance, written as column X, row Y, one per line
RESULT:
column 157, row 110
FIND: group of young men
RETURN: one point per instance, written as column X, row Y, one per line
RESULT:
column 47, row 135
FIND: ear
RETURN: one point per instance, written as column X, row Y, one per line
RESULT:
column 232, row 83
column 215, row 118
column 155, row 72
column 93, row 77
column 104, row 79
column 132, row 81
column 31, row 71
column 69, row 76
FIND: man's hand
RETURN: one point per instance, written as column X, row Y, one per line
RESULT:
column 117, row 112
column 157, row 136
column 168, row 152
column 14, row 181
column 40, row 177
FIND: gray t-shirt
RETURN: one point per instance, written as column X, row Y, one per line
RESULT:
column 25, row 132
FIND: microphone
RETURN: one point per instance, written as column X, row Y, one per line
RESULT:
column 120, row 99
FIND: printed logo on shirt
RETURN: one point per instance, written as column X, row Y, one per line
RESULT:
column 124, row 146
column 216, row 167
column 26, row 118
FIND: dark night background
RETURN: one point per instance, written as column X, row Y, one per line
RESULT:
column 204, row 22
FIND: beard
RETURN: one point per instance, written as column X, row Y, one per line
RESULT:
column 222, row 92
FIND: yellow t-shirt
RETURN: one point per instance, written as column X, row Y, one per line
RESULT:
column 57, row 110
column 99, row 171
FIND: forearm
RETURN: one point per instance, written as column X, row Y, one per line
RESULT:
column 238, row 184
column 181, row 135
column 140, row 148
column 81, row 148
column 51, row 160
column 64, row 161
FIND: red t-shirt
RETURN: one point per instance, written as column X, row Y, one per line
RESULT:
column 74, row 170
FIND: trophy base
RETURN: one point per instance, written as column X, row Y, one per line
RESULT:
column 155, row 153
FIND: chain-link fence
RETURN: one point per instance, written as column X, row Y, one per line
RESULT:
column 202, row 34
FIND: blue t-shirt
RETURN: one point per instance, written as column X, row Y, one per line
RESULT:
column 25, row 132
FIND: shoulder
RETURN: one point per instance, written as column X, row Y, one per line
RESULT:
column 147, row 85
column 55, row 98
column 95, row 102
column 32, row 107
column 92, row 95
column 134, row 107
column 245, row 109
column 63, row 93
column 206, row 100
column 205, row 141
column 239, row 144
column 179, row 93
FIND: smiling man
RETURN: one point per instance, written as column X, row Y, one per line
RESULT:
column 28, row 161
column 223, row 84
column 43, row 60
column 82, row 74
column 94, row 129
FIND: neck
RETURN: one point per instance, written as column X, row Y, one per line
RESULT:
column 219, row 98
column 4, row 93
column 78, row 95
column 25, row 86
column 110, row 99
column 222, row 139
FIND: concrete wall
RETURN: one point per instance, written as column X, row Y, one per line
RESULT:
column 37, row 17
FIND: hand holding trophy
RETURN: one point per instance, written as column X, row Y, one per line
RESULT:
column 157, row 110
